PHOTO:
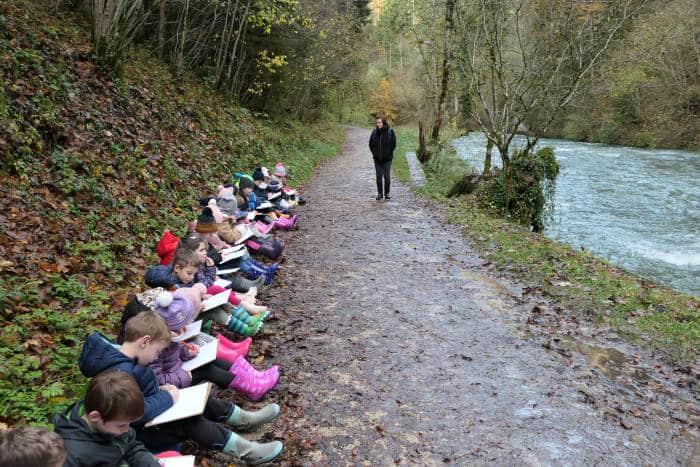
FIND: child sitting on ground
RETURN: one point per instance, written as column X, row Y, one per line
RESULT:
column 182, row 273
column 146, row 335
column 147, row 301
column 178, row 310
column 30, row 446
column 252, row 268
column 97, row 431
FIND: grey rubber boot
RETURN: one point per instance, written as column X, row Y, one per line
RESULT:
column 245, row 421
column 252, row 452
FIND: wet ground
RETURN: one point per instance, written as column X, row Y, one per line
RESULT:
column 399, row 347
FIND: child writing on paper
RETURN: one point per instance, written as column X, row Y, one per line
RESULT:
column 147, row 301
column 179, row 310
column 145, row 336
column 30, row 446
column 97, row 430
column 182, row 273
column 208, row 222
column 206, row 274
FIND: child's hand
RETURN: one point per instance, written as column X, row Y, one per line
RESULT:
column 209, row 261
column 192, row 349
column 173, row 391
column 206, row 296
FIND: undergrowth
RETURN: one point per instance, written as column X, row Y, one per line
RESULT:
column 92, row 170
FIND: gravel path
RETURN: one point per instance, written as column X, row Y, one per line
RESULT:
column 396, row 347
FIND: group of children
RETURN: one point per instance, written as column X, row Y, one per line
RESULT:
column 139, row 377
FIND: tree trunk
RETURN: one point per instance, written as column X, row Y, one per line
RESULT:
column 449, row 28
column 487, row 161
column 422, row 152
column 161, row 30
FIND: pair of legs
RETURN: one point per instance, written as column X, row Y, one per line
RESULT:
column 383, row 171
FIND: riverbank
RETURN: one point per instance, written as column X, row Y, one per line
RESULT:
column 587, row 287
column 92, row 170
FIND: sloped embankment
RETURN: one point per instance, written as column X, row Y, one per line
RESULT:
column 92, row 169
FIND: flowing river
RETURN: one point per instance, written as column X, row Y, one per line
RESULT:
column 637, row 208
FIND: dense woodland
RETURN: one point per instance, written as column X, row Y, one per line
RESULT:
column 633, row 67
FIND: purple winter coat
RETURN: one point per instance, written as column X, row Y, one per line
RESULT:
column 168, row 366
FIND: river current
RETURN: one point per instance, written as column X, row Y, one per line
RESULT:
column 637, row 208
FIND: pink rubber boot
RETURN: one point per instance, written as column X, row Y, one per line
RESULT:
column 273, row 370
column 282, row 223
column 246, row 383
column 263, row 228
column 225, row 353
column 241, row 347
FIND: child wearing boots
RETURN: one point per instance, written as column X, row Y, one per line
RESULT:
column 146, row 335
column 233, row 372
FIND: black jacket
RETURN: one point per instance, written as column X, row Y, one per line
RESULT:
column 382, row 144
column 87, row 448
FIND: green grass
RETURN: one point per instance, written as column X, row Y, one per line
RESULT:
column 406, row 140
column 639, row 310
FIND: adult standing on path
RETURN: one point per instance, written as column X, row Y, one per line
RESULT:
column 382, row 143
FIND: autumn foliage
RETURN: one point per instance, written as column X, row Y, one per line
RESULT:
column 92, row 170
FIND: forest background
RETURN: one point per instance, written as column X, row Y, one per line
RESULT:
column 117, row 115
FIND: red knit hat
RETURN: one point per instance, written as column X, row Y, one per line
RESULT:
column 166, row 247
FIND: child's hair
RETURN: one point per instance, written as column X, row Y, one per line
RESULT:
column 115, row 395
column 30, row 446
column 185, row 258
column 192, row 241
column 132, row 308
column 147, row 323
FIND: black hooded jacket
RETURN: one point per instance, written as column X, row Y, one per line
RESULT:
column 382, row 143
column 88, row 448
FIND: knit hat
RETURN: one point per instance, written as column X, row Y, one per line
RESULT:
column 246, row 182
column 266, row 173
column 166, row 247
column 206, row 222
column 225, row 193
column 216, row 212
column 280, row 170
column 193, row 294
column 258, row 175
column 177, row 310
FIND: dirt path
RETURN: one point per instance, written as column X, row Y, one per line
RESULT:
column 396, row 348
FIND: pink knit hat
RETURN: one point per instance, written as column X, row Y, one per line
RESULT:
column 280, row 170
column 218, row 215
column 193, row 294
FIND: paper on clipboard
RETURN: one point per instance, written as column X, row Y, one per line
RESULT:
column 222, row 283
column 191, row 330
column 177, row 461
column 191, row 402
column 217, row 300
column 207, row 354
column 223, row 272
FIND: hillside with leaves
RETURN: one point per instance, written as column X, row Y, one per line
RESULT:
column 92, row 170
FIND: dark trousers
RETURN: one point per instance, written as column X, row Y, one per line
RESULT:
column 383, row 170
column 216, row 372
column 202, row 429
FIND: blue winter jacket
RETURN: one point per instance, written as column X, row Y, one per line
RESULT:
column 99, row 355
column 160, row 276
